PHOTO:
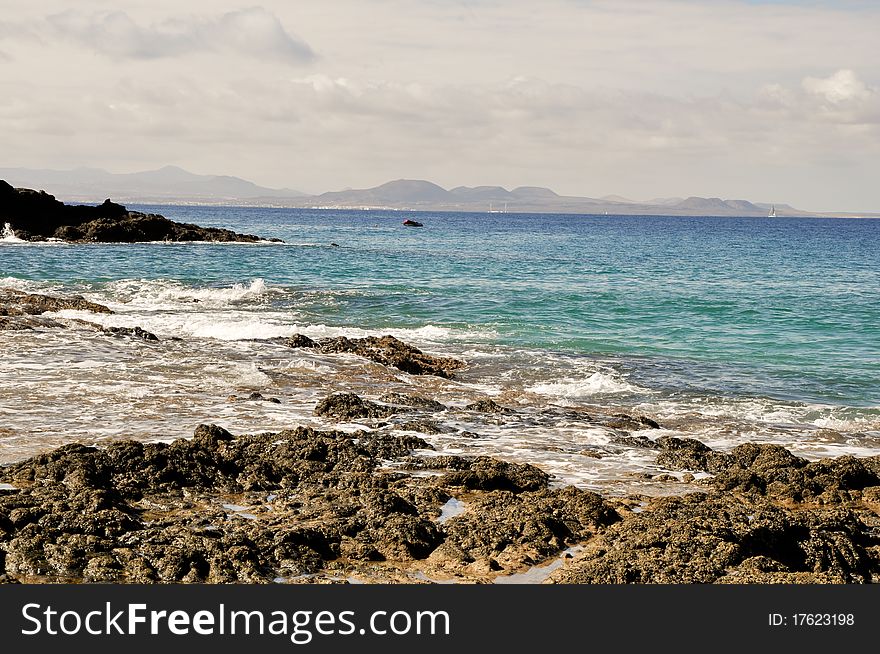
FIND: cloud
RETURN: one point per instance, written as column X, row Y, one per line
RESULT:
column 842, row 86
column 254, row 32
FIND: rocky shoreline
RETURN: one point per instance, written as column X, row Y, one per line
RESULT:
column 38, row 216
column 380, row 505
column 303, row 505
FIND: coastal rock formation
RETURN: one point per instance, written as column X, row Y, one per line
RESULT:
column 386, row 350
column 487, row 406
column 414, row 401
column 702, row 539
column 770, row 517
column 348, row 406
column 221, row 508
column 21, row 311
column 771, row 471
column 19, row 303
column 327, row 505
column 37, row 216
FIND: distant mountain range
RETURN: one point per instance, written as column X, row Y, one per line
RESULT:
column 419, row 194
column 165, row 185
column 171, row 185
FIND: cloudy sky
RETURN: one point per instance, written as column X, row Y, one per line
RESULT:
column 770, row 101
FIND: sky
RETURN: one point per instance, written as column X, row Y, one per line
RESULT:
column 771, row 101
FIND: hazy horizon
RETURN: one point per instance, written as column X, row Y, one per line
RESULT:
column 759, row 100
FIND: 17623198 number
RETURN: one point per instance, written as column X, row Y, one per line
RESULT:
column 823, row 619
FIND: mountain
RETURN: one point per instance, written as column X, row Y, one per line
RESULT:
column 168, row 184
column 483, row 194
column 424, row 195
column 171, row 185
column 411, row 192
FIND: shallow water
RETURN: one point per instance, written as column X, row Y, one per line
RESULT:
column 728, row 330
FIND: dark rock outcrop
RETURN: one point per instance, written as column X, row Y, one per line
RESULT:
column 771, row 471
column 625, row 421
column 223, row 508
column 131, row 332
column 386, row 350
column 487, row 406
column 37, row 216
column 220, row 508
column 348, row 406
column 703, row 539
column 19, row 303
column 414, row 401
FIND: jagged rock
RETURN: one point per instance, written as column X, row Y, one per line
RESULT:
column 133, row 332
column 425, row 427
column 386, row 350
column 348, row 406
column 19, row 303
column 25, row 323
column 703, row 539
column 37, row 216
column 772, row 470
column 625, row 421
column 487, row 406
column 634, row 440
column 299, row 340
column 221, row 508
column 685, row 454
column 414, row 401
column 483, row 473
column 511, row 530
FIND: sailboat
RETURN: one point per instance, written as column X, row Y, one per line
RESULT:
column 772, row 213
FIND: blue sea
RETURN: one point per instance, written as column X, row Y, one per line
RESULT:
column 724, row 329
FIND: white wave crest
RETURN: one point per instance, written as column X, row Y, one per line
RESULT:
column 165, row 294
column 599, row 383
column 7, row 235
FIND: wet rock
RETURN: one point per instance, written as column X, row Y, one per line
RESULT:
column 684, row 454
column 27, row 323
column 483, row 473
column 348, row 406
column 19, row 303
column 299, row 340
column 37, row 216
column 487, row 406
column 220, row 508
column 414, row 401
column 132, row 332
column 391, row 446
column 259, row 397
column 772, row 471
column 505, row 530
column 703, row 539
column 386, row 350
column 626, row 421
column 634, row 440
column 425, row 427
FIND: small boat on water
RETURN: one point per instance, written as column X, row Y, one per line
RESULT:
column 772, row 213
column 412, row 223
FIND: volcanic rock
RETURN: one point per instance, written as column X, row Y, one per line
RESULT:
column 386, row 350
column 487, row 406
column 37, row 216
column 19, row 303
column 348, row 406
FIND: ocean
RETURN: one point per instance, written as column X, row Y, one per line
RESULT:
column 728, row 330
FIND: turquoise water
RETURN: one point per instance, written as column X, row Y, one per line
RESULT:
column 786, row 308
column 726, row 329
